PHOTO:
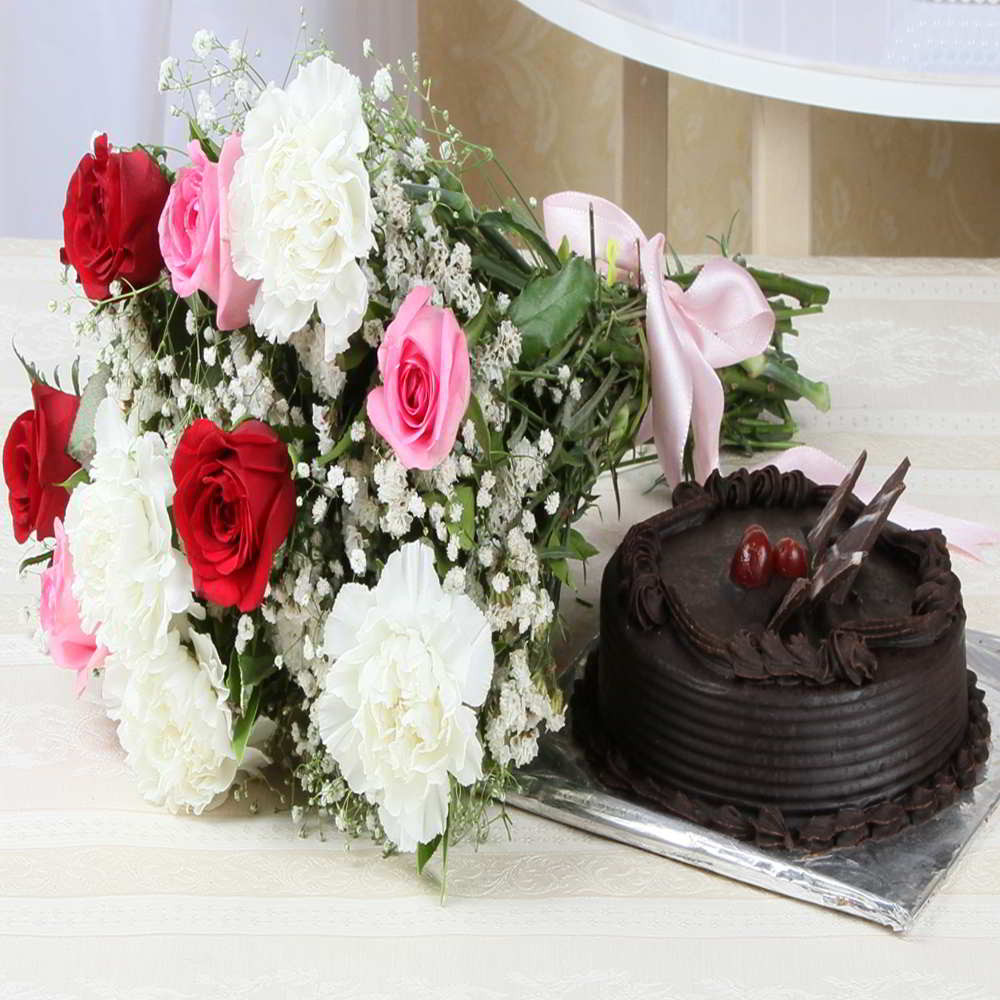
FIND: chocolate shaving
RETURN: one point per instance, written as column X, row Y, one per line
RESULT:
column 796, row 595
column 862, row 535
column 840, row 564
column 833, row 511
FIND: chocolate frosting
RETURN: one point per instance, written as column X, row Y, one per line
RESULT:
column 768, row 826
column 842, row 722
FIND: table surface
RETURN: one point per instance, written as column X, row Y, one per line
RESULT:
column 903, row 58
column 103, row 897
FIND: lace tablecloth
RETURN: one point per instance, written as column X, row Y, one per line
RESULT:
column 102, row 897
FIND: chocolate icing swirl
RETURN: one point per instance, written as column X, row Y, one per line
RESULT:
column 645, row 593
column 847, row 656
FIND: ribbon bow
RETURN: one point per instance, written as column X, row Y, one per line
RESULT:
column 722, row 319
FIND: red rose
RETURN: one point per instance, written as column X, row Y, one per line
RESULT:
column 113, row 207
column 35, row 462
column 234, row 506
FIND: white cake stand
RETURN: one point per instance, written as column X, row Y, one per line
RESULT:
column 903, row 58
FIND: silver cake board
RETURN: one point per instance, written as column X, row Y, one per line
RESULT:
column 886, row 881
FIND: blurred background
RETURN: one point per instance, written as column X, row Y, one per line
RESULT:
column 680, row 154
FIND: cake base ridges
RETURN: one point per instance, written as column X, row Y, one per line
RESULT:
column 768, row 826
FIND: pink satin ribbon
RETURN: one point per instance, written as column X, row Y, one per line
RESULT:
column 968, row 537
column 722, row 319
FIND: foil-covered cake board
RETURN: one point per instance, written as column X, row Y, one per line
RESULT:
column 886, row 881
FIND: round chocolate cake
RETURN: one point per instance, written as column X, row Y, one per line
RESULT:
column 810, row 709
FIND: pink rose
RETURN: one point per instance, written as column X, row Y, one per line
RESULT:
column 424, row 364
column 194, row 235
column 69, row 645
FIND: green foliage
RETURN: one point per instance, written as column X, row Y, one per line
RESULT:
column 551, row 307
column 208, row 146
column 426, row 851
column 244, row 725
column 77, row 479
column 41, row 557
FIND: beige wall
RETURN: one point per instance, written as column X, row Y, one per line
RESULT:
column 547, row 103
column 562, row 113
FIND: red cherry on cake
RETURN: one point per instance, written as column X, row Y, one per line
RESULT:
column 790, row 558
column 751, row 565
column 755, row 531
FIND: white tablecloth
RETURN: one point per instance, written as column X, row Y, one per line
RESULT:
column 102, row 897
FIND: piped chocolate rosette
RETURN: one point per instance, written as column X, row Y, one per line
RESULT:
column 806, row 694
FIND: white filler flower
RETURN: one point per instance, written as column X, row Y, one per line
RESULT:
column 411, row 662
column 174, row 722
column 128, row 578
column 301, row 212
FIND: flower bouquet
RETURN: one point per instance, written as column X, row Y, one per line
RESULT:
column 310, row 515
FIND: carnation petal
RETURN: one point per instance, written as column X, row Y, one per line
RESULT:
column 409, row 585
column 465, row 641
column 350, row 609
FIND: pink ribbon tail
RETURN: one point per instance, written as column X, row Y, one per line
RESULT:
column 968, row 537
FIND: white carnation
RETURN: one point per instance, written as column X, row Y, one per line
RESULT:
column 410, row 664
column 128, row 578
column 300, row 205
column 174, row 722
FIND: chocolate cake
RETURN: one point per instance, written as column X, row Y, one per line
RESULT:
column 807, row 710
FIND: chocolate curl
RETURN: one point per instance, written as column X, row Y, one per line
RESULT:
column 833, row 511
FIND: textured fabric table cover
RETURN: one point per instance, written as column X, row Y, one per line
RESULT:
column 104, row 897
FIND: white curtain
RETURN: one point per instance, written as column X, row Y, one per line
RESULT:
column 68, row 68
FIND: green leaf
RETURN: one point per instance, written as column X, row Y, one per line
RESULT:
column 255, row 669
column 77, row 479
column 197, row 306
column 234, row 679
column 289, row 433
column 34, row 375
column 353, row 356
column 550, row 308
column 560, row 570
column 243, row 728
column 34, row 561
column 475, row 414
column 75, row 375
column 505, row 222
column 82, row 444
column 208, row 146
column 426, row 851
column 575, row 546
column 500, row 270
column 465, row 528
column 448, row 180
column 579, row 546
column 476, row 326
